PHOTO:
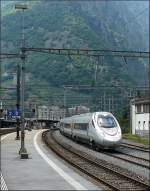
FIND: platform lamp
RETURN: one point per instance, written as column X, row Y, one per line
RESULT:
column 23, row 152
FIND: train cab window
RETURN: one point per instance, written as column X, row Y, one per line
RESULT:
column 106, row 121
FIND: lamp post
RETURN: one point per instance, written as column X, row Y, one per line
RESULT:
column 23, row 152
column 18, row 102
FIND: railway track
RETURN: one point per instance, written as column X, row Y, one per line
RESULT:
column 129, row 158
column 4, row 131
column 99, row 170
column 136, row 160
column 135, row 147
column 140, row 161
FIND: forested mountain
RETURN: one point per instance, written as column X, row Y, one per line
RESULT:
column 93, row 24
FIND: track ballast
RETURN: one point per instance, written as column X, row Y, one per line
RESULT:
column 99, row 170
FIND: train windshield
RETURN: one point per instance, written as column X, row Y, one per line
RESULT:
column 106, row 121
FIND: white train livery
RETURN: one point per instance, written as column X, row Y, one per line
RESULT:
column 99, row 129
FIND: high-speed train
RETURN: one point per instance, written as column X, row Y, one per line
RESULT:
column 100, row 129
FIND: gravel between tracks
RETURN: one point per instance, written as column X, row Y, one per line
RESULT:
column 134, row 152
column 137, row 171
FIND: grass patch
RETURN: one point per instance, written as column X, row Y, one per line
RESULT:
column 136, row 139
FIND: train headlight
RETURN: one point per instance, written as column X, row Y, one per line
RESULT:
column 119, row 132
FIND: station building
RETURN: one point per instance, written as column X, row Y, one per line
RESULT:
column 140, row 116
column 49, row 113
column 77, row 110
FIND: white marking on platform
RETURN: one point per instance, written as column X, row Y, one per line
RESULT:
column 4, row 137
column 68, row 178
column 3, row 184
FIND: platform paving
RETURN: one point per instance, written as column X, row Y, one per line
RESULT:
column 42, row 171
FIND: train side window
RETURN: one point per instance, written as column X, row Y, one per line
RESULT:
column 81, row 126
column 67, row 125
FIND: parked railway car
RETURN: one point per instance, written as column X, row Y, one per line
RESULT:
column 100, row 129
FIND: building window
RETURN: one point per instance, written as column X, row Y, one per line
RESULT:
column 143, row 125
column 139, row 124
column 146, row 108
column 138, row 109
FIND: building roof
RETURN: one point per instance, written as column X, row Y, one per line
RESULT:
column 143, row 100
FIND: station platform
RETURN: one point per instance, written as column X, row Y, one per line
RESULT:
column 42, row 171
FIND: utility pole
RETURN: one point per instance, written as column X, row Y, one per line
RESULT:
column 109, row 102
column 36, row 115
column 18, row 102
column 101, row 103
column 1, row 114
column 23, row 152
column 104, row 100
column 112, row 104
column 0, row 95
column 0, row 77
column 95, row 75
column 65, row 90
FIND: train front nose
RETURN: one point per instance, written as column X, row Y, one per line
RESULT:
column 110, row 143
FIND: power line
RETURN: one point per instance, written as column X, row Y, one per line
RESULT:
column 9, row 55
column 141, row 13
column 89, row 52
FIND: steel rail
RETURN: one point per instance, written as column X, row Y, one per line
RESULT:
column 75, row 165
column 140, row 148
column 97, row 164
column 4, row 131
column 119, row 157
column 128, row 160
